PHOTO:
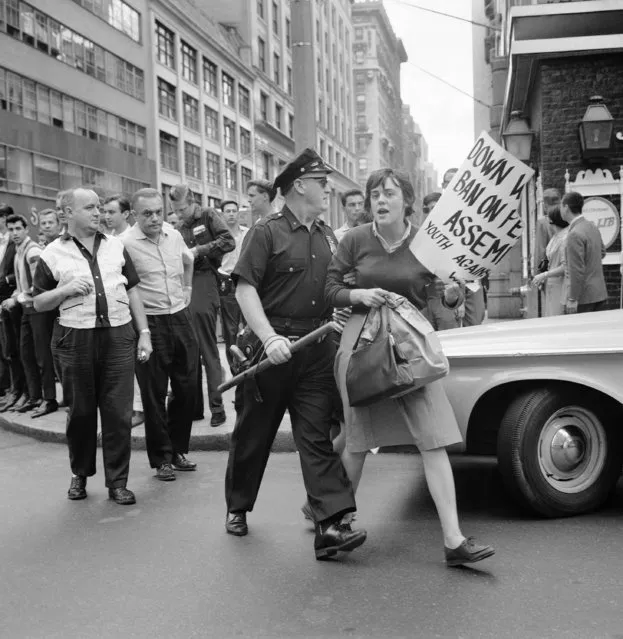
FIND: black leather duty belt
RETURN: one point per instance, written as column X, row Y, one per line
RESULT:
column 295, row 328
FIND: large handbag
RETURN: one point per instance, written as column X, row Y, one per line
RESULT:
column 396, row 353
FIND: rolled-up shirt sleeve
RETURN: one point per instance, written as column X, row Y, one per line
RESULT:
column 43, row 279
column 129, row 271
column 337, row 294
column 254, row 256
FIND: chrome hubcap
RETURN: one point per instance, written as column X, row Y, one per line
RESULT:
column 572, row 449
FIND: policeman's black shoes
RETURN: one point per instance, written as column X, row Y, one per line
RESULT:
column 336, row 537
column 181, row 463
column 218, row 419
column 77, row 488
column 164, row 472
column 468, row 552
column 236, row 524
column 122, row 496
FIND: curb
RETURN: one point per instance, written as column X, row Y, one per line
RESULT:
column 217, row 441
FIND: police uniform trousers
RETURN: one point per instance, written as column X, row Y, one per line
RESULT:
column 168, row 426
column 305, row 386
column 204, row 308
column 97, row 371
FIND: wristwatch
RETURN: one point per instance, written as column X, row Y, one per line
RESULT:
column 145, row 330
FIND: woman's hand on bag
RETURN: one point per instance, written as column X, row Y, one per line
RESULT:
column 370, row 297
column 278, row 349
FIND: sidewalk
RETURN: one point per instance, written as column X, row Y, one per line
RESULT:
column 51, row 428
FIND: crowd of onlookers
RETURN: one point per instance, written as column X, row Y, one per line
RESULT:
column 28, row 373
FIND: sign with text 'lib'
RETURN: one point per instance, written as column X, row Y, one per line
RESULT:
column 477, row 220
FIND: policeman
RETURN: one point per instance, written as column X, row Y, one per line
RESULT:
column 280, row 280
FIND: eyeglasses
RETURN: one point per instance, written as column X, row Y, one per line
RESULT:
column 323, row 181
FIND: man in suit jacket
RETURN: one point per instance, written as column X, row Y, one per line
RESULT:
column 585, row 251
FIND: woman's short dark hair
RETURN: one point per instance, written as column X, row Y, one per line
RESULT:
column 555, row 217
column 402, row 181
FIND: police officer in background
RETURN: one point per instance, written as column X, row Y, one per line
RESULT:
column 280, row 279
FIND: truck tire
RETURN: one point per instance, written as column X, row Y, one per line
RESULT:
column 559, row 451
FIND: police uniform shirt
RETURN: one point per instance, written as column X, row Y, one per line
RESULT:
column 287, row 264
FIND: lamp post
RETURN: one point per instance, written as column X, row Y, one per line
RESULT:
column 595, row 129
column 518, row 137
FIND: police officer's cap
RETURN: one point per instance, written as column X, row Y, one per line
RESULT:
column 307, row 161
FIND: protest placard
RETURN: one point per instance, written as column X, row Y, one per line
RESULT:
column 477, row 220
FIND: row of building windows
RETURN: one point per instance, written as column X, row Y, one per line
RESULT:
column 277, row 70
column 167, row 107
column 165, row 51
column 336, row 158
column 117, row 14
column 31, row 173
column 279, row 121
column 332, row 123
column 39, row 102
column 215, row 172
column 276, row 20
column 45, row 34
column 167, row 103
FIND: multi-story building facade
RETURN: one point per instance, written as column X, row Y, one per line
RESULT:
column 324, row 99
column 378, row 55
column 203, row 104
column 73, row 99
column 264, row 26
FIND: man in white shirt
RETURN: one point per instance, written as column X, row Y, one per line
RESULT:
column 352, row 203
column 230, row 311
column 116, row 214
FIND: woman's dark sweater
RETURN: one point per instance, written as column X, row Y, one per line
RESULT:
column 398, row 272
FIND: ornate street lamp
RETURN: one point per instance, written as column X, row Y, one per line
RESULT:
column 596, row 129
column 518, row 137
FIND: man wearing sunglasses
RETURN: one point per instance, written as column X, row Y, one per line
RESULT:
column 280, row 279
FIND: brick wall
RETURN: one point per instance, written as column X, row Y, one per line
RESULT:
column 567, row 85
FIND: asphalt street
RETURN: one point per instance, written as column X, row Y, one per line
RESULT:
column 165, row 567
